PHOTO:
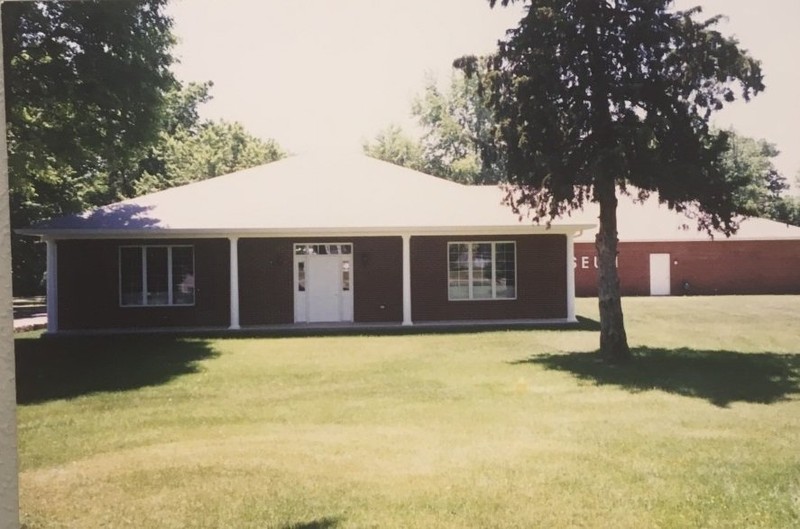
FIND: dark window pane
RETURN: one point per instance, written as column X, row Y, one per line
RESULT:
column 458, row 271
column 505, row 273
column 183, row 275
column 482, row 270
column 301, row 276
column 345, row 275
column 130, row 270
column 157, row 280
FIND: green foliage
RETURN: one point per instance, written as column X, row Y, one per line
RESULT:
column 85, row 84
column 84, row 93
column 591, row 97
column 96, row 116
column 395, row 146
column 786, row 209
column 748, row 164
column 759, row 186
column 217, row 148
column 588, row 91
column 202, row 150
column 458, row 141
column 182, row 107
column 189, row 149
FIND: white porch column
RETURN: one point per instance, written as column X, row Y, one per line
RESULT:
column 407, row 279
column 234, row 282
column 571, row 278
column 52, row 285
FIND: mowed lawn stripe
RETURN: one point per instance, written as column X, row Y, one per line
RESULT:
column 490, row 429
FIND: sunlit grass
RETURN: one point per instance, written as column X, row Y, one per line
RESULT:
column 496, row 429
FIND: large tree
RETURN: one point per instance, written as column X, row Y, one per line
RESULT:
column 593, row 95
column 95, row 115
column 763, row 190
column 458, row 141
column 189, row 148
column 85, row 85
column 748, row 163
column 396, row 146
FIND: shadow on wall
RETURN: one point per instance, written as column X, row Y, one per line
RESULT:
column 63, row 368
column 720, row 377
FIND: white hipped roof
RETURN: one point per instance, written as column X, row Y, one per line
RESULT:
column 650, row 222
column 305, row 194
column 354, row 194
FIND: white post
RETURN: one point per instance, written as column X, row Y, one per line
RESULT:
column 52, row 285
column 9, row 484
column 234, row 282
column 407, row 280
column 571, row 278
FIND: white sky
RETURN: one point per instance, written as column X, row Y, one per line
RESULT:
column 322, row 74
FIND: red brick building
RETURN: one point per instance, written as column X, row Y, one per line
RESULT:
column 307, row 240
column 661, row 252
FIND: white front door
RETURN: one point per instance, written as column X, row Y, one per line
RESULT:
column 324, row 288
column 660, row 274
column 323, row 282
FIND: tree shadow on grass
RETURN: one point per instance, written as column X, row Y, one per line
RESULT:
column 320, row 523
column 720, row 377
column 62, row 368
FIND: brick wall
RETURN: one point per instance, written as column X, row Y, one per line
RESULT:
column 708, row 267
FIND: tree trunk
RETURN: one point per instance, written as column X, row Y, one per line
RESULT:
column 613, row 340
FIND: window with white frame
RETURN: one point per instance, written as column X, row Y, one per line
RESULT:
column 156, row 275
column 323, row 249
column 481, row 270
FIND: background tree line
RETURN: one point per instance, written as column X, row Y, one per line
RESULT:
column 95, row 115
column 459, row 141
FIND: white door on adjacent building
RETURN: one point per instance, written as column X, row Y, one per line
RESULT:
column 323, row 283
column 659, row 274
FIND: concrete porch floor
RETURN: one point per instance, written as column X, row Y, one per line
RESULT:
column 346, row 328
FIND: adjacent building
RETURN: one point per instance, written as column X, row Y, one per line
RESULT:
column 661, row 253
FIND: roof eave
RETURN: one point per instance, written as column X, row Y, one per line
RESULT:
column 54, row 234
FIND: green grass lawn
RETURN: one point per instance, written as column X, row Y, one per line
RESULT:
column 493, row 429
